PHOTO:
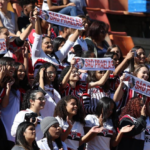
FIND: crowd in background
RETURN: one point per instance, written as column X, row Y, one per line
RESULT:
column 63, row 107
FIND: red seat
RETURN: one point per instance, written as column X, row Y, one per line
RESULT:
column 124, row 42
column 98, row 3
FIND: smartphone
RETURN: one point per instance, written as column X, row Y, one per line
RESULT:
column 135, row 53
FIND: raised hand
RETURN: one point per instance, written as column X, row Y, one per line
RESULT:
column 126, row 129
column 96, row 129
column 73, row 61
column 41, row 73
column 25, row 52
column 2, row 72
column 69, row 122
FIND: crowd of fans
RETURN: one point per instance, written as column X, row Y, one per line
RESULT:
column 63, row 107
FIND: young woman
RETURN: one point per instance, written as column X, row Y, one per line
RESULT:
column 133, row 114
column 140, row 57
column 51, row 130
column 33, row 102
column 96, row 38
column 6, row 82
column 124, row 94
column 25, row 137
column 105, row 117
column 46, row 79
column 68, row 113
column 71, row 84
column 42, row 50
column 21, row 79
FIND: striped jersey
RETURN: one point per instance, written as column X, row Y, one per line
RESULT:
column 75, row 135
column 78, row 91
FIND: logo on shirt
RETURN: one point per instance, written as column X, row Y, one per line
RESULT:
column 105, row 132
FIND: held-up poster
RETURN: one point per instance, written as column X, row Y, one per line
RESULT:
column 138, row 85
column 3, row 48
column 60, row 19
column 93, row 64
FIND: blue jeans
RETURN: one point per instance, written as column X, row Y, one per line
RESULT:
column 69, row 10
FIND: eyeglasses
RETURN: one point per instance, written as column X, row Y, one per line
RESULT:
column 51, row 72
column 41, row 99
column 21, row 71
column 103, row 31
column 76, row 72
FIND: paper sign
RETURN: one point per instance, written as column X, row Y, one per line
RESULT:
column 3, row 48
column 60, row 19
column 138, row 85
column 93, row 64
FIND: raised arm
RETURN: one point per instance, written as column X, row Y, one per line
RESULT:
column 119, row 92
column 66, row 78
column 41, row 78
column 124, row 64
column 101, row 82
column 61, row 54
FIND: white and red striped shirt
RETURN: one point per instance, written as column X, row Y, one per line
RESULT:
column 74, row 136
column 78, row 91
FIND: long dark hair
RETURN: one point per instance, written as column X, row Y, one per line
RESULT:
column 23, row 83
column 57, row 42
column 30, row 95
column 113, row 46
column 20, row 138
column 49, row 141
column 106, row 102
column 60, row 109
column 46, row 65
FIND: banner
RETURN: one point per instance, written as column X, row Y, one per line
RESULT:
column 93, row 64
column 3, row 48
column 138, row 85
column 60, row 19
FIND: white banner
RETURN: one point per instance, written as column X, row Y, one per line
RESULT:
column 3, row 48
column 60, row 19
column 138, row 85
column 93, row 64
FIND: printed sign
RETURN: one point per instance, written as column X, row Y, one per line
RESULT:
column 138, row 85
column 93, row 64
column 60, row 19
column 3, row 48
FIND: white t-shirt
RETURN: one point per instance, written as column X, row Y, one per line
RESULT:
column 8, row 114
column 102, row 140
column 43, row 145
column 147, row 135
column 20, row 117
column 75, row 135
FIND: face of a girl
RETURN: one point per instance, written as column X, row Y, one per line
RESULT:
column 117, row 51
column 30, row 133
column 74, row 76
column 55, row 131
column 72, row 107
column 50, row 74
column 10, row 68
column 143, row 73
column 99, row 74
column 110, row 111
column 116, row 59
column 61, row 45
column 47, row 46
column 3, row 3
column 141, row 56
column 21, row 72
column 39, row 101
